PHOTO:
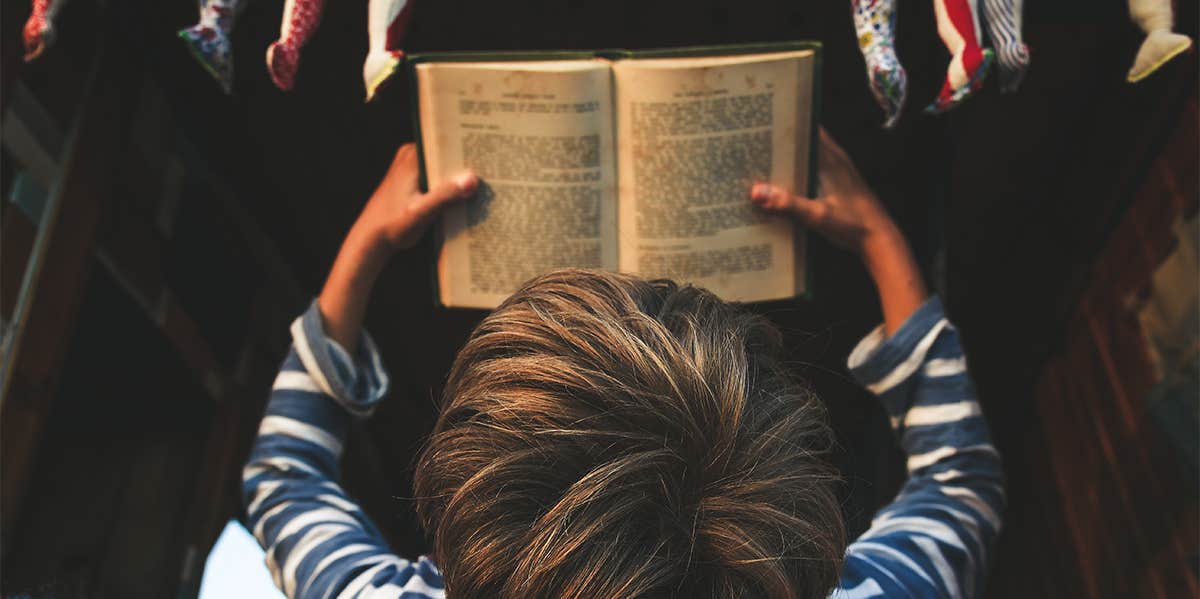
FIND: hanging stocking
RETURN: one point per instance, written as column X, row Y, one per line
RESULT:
column 39, row 29
column 1161, row 45
column 875, row 23
column 1003, row 19
column 300, row 20
column 208, row 40
column 958, row 26
column 387, row 21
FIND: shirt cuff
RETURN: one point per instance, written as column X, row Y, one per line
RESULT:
column 879, row 363
column 358, row 383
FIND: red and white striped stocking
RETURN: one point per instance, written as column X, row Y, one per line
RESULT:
column 958, row 26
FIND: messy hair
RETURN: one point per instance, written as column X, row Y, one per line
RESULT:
column 607, row 436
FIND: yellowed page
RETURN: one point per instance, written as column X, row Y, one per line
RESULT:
column 694, row 135
column 539, row 135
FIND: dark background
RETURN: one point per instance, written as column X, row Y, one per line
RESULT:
column 1007, row 201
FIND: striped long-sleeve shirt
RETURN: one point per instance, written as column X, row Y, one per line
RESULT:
column 933, row 540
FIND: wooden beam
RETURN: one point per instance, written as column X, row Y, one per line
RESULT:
column 54, row 282
column 31, row 134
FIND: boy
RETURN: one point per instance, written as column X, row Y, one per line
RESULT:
column 604, row 436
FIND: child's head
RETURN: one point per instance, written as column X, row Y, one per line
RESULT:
column 606, row 436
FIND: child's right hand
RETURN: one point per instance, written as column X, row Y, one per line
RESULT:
column 846, row 211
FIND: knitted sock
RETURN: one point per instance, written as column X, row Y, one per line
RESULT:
column 1003, row 18
column 1156, row 18
column 387, row 21
column 875, row 23
column 300, row 21
column 39, row 28
column 208, row 40
column 958, row 26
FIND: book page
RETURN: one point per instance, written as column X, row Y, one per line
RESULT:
column 540, row 137
column 695, row 134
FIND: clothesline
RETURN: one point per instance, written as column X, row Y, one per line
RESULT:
column 959, row 26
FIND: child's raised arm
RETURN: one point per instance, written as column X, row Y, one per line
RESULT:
column 935, row 538
column 848, row 214
column 318, row 542
column 394, row 219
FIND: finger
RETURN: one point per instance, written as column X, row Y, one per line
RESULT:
column 405, row 157
column 405, row 168
column 407, row 152
column 825, row 182
column 826, row 153
column 831, row 153
column 828, row 142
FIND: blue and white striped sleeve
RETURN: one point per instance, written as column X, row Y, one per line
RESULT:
column 935, row 538
column 318, row 542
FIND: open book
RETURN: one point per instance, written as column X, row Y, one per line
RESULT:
column 634, row 161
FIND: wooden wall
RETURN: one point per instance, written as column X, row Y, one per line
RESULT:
column 1127, row 503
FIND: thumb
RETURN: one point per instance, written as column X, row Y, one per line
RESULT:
column 458, row 187
column 425, row 207
column 778, row 199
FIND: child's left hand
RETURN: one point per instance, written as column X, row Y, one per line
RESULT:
column 393, row 219
column 398, row 213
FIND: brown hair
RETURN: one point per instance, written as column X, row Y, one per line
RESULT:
column 607, row 436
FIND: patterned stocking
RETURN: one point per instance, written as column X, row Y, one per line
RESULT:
column 1003, row 19
column 875, row 23
column 208, row 40
column 958, row 26
column 39, row 29
column 387, row 21
column 300, row 20
column 1156, row 19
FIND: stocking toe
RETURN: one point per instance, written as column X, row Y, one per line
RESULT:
column 1012, row 61
column 37, row 39
column 1159, row 48
column 212, row 49
column 890, row 87
column 282, row 61
column 952, row 96
column 379, row 68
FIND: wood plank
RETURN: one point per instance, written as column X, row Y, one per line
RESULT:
column 1050, row 395
column 58, row 271
column 1122, row 511
column 17, row 237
